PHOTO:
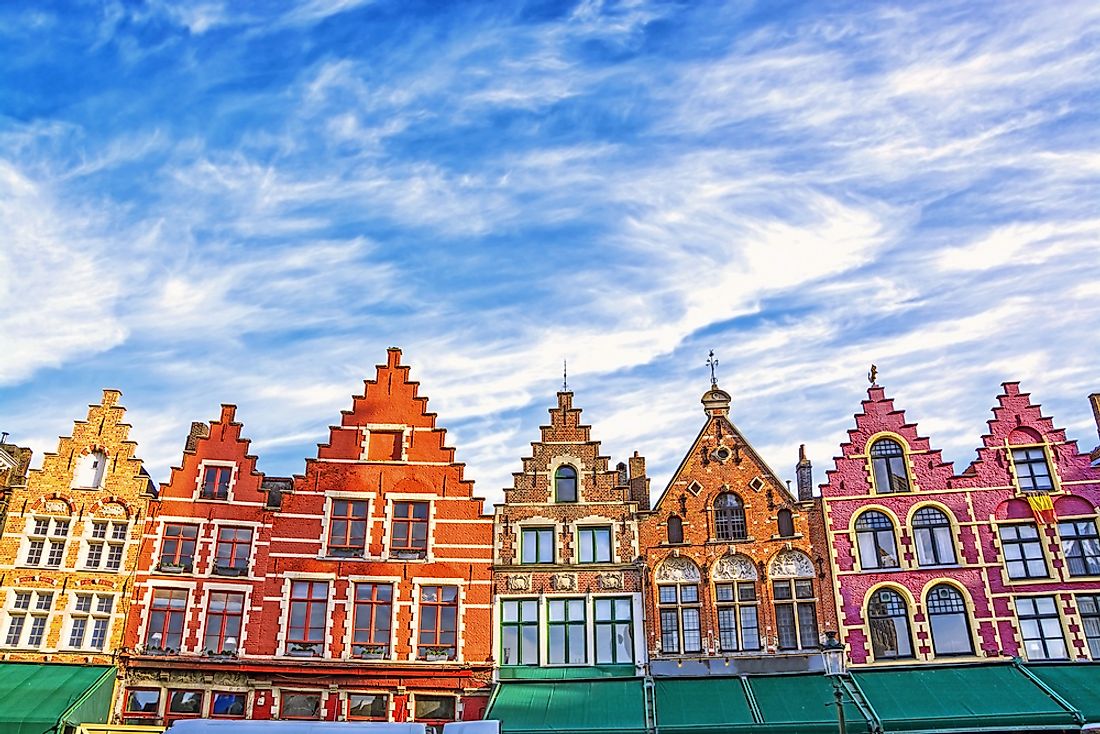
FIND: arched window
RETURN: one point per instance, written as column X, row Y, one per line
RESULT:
column 932, row 532
column 888, row 463
column 875, row 537
column 949, row 620
column 565, row 484
column 675, row 530
column 89, row 470
column 729, row 517
column 785, row 521
column 888, row 615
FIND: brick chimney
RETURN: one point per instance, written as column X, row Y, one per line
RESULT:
column 639, row 483
column 804, row 470
column 198, row 430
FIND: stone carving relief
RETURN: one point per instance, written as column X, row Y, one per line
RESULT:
column 791, row 564
column 112, row 509
column 677, row 569
column 518, row 582
column 56, row 507
column 609, row 580
column 734, row 567
column 563, row 582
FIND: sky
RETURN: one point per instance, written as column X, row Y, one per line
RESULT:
column 249, row 202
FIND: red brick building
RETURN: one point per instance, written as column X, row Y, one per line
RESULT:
column 738, row 575
column 1002, row 560
column 360, row 589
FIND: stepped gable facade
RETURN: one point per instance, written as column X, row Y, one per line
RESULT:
column 568, row 588
column 196, row 628
column 70, row 543
column 1002, row 560
column 737, row 570
column 15, row 463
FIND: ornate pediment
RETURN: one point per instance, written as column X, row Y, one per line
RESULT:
column 734, row 567
column 677, row 569
column 791, row 564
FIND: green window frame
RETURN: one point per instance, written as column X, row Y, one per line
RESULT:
column 594, row 544
column 519, row 631
column 566, row 632
column 536, row 545
column 614, row 619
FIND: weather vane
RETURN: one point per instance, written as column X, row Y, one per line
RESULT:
column 564, row 376
column 872, row 376
column 712, row 363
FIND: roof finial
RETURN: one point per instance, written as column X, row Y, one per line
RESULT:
column 872, row 376
column 564, row 376
column 712, row 363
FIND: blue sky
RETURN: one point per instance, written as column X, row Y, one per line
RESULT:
column 248, row 202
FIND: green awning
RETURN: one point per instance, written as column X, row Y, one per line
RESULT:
column 801, row 703
column 1077, row 683
column 961, row 698
column 609, row 706
column 586, row 672
column 38, row 697
column 715, row 705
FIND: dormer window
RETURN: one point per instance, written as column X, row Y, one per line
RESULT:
column 565, row 484
column 1032, row 469
column 888, row 466
column 89, row 470
column 215, row 482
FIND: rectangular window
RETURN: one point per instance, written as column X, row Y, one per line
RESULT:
column 409, row 529
column 232, row 551
column 114, row 557
column 347, row 530
column 368, row 706
column 299, row 705
column 1023, row 551
column 142, row 705
column 536, row 545
column 795, row 614
column 183, row 704
column 519, row 632
column 177, row 551
column 438, row 637
column 738, row 617
column 1089, row 607
column 27, row 624
column 308, row 613
column 227, row 704
column 371, row 630
column 1081, row 547
column 34, row 552
column 679, row 611
column 166, row 620
column 1041, row 628
column 99, row 530
column 88, row 619
column 77, row 632
column 99, row 633
column 594, row 544
column 434, row 708
column 215, row 482
column 566, row 630
column 224, row 617
column 1032, row 470
column 614, row 631
column 95, row 555
column 57, row 553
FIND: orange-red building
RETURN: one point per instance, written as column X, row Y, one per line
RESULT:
column 738, row 574
column 360, row 589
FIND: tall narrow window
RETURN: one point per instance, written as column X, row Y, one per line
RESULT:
column 347, row 531
column 166, row 619
column 875, row 537
column 729, row 517
column 177, row 551
column 679, row 611
column 1023, row 551
column 1041, row 628
column 785, row 522
column 409, row 533
column 738, row 616
column 46, row 542
column 1032, row 469
column 519, row 632
column 536, row 545
column 1081, row 546
column 215, row 482
column 594, row 544
column 27, row 621
column 675, row 530
column 373, row 611
column 106, row 550
column 232, row 551
column 795, row 614
column 614, row 632
column 438, row 638
column 932, row 533
column 950, row 622
column 888, row 615
column 308, row 618
column 566, row 630
column 90, row 620
column 1089, row 607
column 565, row 484
column 888, row 465
column 224, row 616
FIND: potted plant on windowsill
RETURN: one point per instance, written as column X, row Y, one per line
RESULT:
column 370, row 652
column 229, row 570
column 164, row 567
column 437, row 653
column 305, row 649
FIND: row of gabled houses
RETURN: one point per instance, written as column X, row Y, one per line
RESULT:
column 374, row 586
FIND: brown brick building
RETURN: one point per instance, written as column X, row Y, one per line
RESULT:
column 737, row 572
column 568, row 587
column 15, row 462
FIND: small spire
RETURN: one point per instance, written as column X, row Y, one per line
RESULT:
column 872, row 376
column 712, row 363
column 564, row 376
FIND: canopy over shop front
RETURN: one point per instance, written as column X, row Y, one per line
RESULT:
column 1077, row 683
column 607, row 706
column 44, row 698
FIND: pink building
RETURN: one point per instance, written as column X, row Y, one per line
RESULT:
column 1000, row 560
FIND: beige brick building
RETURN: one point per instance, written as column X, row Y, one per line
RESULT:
column 70, row 544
